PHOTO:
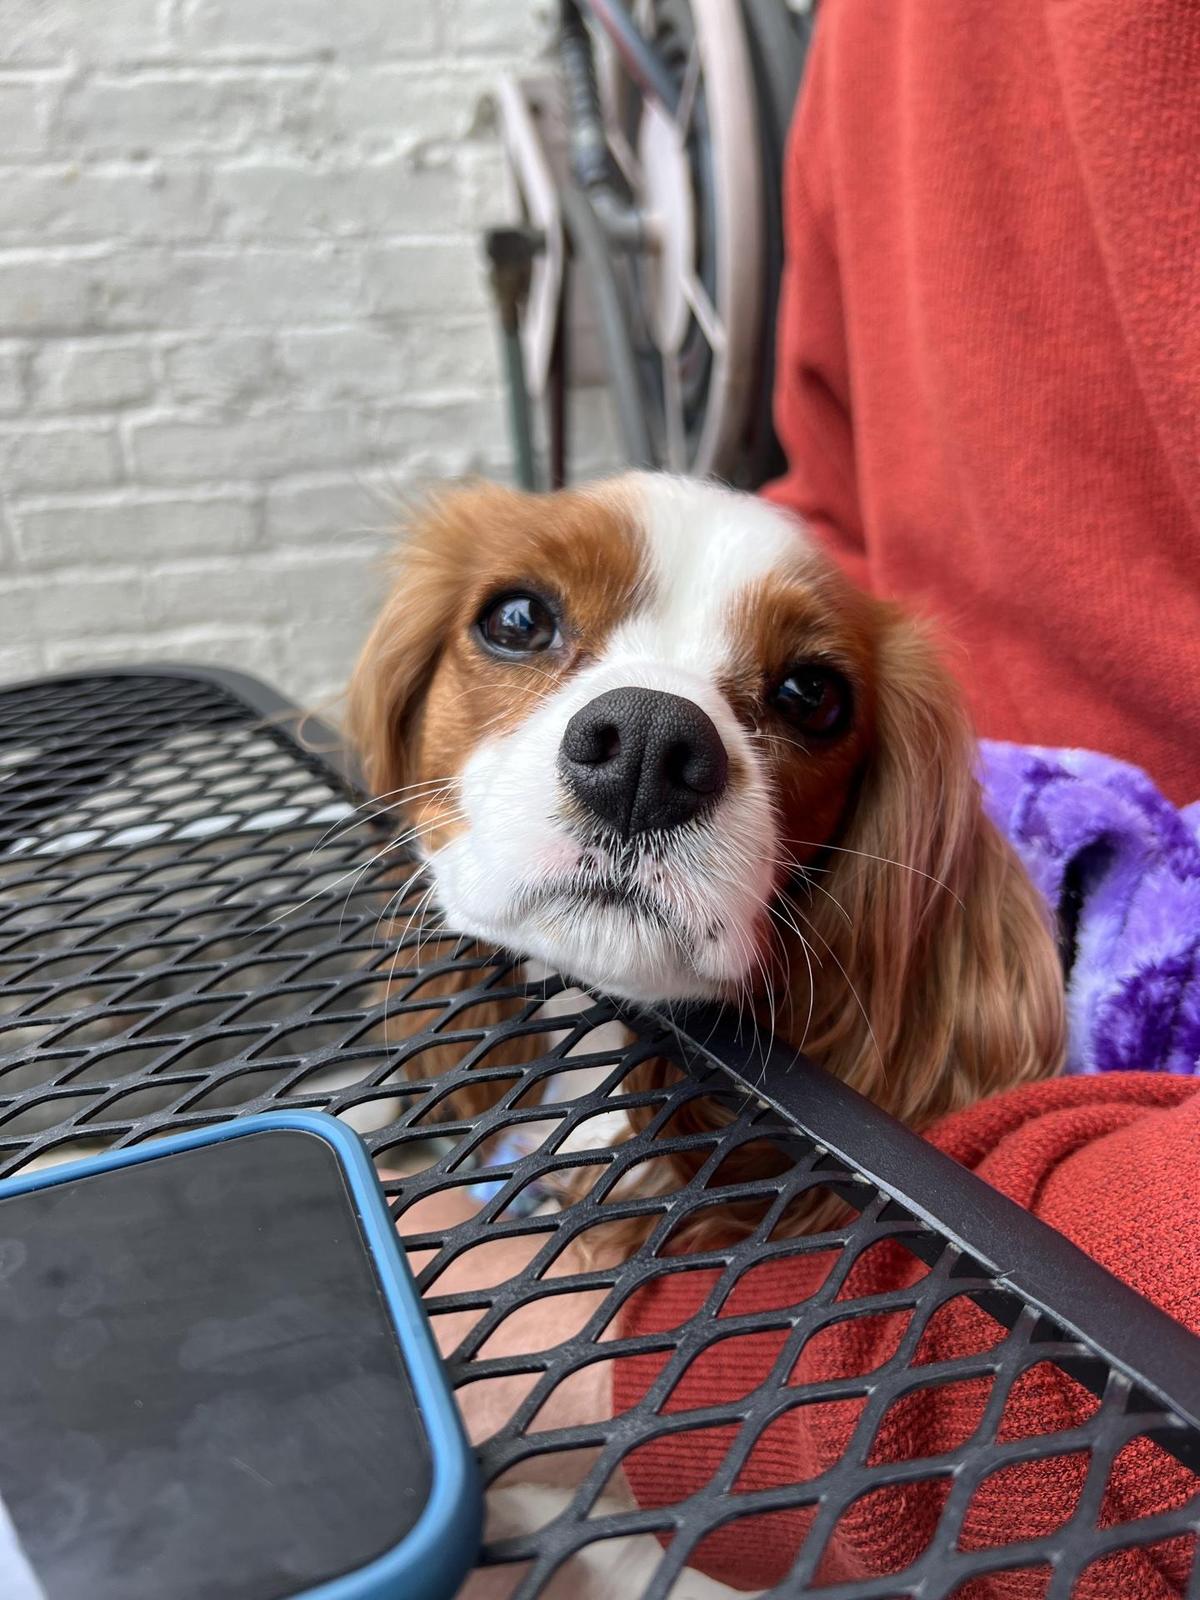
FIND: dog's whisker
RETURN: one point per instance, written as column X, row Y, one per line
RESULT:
column 779, row 738
column 357, row 871
column 391, row 900
column 834, row 901
column 351, row 872
column 809, row 956
column 802, row 873
column 387, row 993
column 887, row 861
column 381, row 811
column 408, row 837
column 833, row 956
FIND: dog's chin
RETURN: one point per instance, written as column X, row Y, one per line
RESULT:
column 619, row 945
column 618, row 952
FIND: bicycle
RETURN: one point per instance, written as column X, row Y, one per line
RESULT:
column 648, row 251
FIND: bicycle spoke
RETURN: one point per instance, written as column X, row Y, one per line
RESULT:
column 705, row 313
column 687, row 94
column 626, row 158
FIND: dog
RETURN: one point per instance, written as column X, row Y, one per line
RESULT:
column 647, row 734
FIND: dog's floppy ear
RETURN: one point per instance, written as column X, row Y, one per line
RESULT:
column 398, row 660
column 951, row 987
column 437, row 553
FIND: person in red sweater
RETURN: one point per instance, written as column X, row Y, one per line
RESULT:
column 988, row 385
column 988, row 395
column 989, row 400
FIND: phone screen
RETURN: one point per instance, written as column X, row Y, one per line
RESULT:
column 201, row 1392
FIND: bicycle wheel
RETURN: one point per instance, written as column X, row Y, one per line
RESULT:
column 697, row 291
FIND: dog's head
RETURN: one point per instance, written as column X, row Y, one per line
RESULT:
column 645, row 732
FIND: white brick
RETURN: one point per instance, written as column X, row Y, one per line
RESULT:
column 24, row 111
column 12, row 384
column 215, row 593
column 347, row 363
column 249, row 648
column 486, row 28
column 16, row 614
column 330, row 512
column 593, row 439
column 18, row 661
column 333, row 600
column 342, row 586
column 90, row 376
column 75, row 204
column 87, row 602
column 89, row 533
column 227, row 287
column 452, row 354
column 243, row 312
column 220, row 372
column 47, row 31
column 164, row 113
column 258, row 447
column 398, row 103
column 287, row 29
column 410, row 278
column 465, row 433
column 291, row 200
column 58, row 458
column 47, row 295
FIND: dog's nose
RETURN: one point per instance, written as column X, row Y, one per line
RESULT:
column 642, row 760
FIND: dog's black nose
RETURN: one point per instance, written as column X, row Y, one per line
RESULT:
column 640, row 760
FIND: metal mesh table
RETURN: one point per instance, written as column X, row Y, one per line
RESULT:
column 196, row 923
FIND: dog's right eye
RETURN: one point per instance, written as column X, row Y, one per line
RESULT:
column 518, row 624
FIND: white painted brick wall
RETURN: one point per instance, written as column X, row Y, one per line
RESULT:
column 242, row 312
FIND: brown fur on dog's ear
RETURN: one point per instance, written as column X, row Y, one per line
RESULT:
column 401, row 652
column 385, row 704
column 936, row 977
column 942, row 936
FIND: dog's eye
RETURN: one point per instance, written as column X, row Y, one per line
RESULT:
column 519, row 622
column 815, row 699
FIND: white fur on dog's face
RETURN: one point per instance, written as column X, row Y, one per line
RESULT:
column 682, row 912
column 515, row 874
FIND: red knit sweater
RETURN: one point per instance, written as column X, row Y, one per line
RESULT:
column 989, row 387
column 1114, row 1163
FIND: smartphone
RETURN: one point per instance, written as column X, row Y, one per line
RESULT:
column 217, row 1381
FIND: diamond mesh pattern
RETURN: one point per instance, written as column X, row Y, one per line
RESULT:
column 195, row 923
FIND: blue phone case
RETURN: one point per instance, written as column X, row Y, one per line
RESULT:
column 435, row 1556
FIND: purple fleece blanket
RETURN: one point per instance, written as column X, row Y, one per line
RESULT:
column 1120, row 866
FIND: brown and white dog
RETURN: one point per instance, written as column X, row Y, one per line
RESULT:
column 650, row 736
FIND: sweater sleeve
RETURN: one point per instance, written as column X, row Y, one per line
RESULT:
column 812, row 385
column 1114, row 1163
